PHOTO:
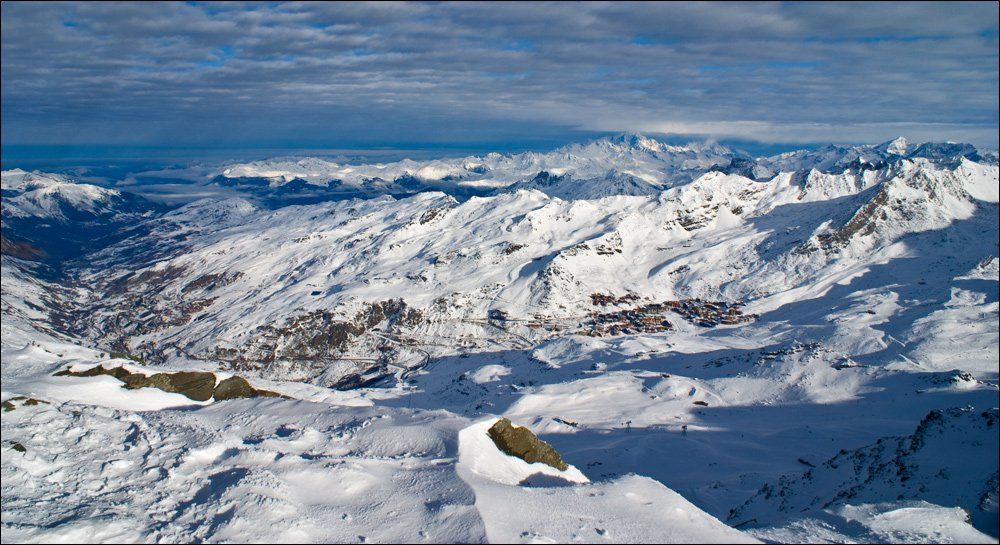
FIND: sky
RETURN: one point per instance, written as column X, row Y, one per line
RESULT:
column 493, row 75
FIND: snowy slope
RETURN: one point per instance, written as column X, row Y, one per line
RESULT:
column 30, row 305
column 52, row 196
column 688, row 326
column 282, row 292
column 629, row 509
column 287, row 470
column 918, row 466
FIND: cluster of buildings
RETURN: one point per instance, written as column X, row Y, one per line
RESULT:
column 653, row 317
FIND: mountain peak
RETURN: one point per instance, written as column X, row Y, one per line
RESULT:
column 897, row 146
column 632, row 140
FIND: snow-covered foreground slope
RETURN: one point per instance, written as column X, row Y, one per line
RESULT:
column 739, row 349
column 85, row 468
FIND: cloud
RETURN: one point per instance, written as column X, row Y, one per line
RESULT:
column 812, row 133
column 344, row 74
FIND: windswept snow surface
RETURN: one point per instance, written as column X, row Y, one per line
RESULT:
column 852, row 399
column 101, row 463
column 563, row 506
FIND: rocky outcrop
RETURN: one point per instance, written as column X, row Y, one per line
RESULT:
column 521, row 443
column 119, row 373
column 305, row 346
column 196, row 385
column 25, row 402
column 236, row 387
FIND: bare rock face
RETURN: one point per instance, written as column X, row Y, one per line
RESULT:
column 119, row 373
column 236, row 387
column 196, row 385
column 520, row 442
column 25, row 402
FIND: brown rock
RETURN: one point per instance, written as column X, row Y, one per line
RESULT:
column 520, row 442
column 236, row 387
column 196, row 385
column 118, row 372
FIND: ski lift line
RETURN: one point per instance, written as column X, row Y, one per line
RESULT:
column 918, row 365
column 526, row 342
column 901, row 343
column 426, row 354
column 366, row 360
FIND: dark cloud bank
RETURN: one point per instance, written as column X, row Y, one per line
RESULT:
column 384, row 74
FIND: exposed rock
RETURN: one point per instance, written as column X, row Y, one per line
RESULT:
column 433, row 214
column 119, row 373
column 18, row 447
column 520, row 442
column 305, row 345
column 196, row 385
column 236, row 387
column 569, row 423
column 21, row 250
column 25, row 402
column 365, row 378
column 210, row 282
column 512, row 247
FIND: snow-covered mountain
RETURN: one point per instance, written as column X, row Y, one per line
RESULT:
column 713, row 322
column 644, row 159
column 58, row 199
column 52, row 216
column 626, row 164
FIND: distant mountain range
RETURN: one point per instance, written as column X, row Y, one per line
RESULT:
column 629, row 164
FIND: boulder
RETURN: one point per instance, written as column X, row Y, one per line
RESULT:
column 520, row 442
